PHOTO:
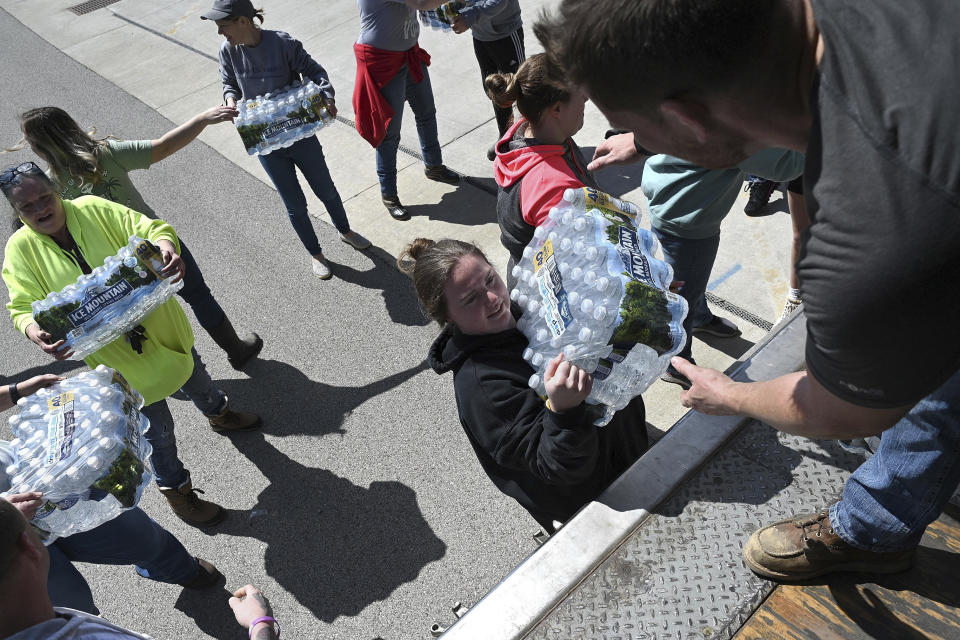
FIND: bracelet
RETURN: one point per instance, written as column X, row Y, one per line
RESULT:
column 264, row 619
column 14, row 394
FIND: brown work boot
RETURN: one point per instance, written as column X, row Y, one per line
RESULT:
column 190, row 508
column 806, row 546
column 207, row 576
column 228, row 421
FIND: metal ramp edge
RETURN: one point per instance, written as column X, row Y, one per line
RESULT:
column 657, row 555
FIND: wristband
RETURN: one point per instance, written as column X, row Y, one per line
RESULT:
column 264, row 619
column 14, row 394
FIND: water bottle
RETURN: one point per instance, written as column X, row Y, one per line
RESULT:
column 591, row 288
column 81, row 443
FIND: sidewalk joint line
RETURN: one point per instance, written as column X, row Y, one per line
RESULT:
column 164, row 36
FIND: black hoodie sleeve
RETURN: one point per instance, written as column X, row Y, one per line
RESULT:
column 510, row 423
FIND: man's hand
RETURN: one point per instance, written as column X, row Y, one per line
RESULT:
column 174, row 268
column 567, row 385
column 248, row 604
column 27, row 503
column 42, row 339
column 332, row 107
column 618, row 149
column 459, row 25
column 710, row 390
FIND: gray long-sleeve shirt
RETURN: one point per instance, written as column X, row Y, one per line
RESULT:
column 279, row 60
column 492, row 19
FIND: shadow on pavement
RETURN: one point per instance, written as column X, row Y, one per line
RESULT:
column 733, row 347
column 399, row 298
column 467, row 205
column 209, row 609
column 293, row 404
column 617, row 180
column 59, row 367
column 335, row 546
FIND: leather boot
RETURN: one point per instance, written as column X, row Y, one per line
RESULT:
column 228, row 420
column 239, row 351
column 190, row 508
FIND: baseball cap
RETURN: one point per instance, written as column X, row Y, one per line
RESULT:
column 223, row 9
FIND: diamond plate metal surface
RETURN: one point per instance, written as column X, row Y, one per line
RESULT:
column 681, row 576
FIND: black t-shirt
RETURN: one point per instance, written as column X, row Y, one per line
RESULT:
column 880, row 269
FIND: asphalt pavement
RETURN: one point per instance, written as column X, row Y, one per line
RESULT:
column 360, row 509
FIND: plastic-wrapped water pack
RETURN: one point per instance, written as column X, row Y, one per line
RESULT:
column 280, row 118
column 591, row 287
column 103, row 305
column 81, row 442
column 441, row 18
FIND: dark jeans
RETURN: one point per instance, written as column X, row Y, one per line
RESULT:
column 500, row 56
column 196, row 293
column 692, row 261
column 402, row 89
column 130, row 538
column 199, row 389
column 307, row 155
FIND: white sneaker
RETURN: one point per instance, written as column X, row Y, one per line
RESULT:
column 321, row 268
column 355, row 240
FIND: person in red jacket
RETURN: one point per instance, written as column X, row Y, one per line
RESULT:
column 537, row 160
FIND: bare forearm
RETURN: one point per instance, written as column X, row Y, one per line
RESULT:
column 264, row 631
column 5, row 400
column 797, row 404
column 176, row 139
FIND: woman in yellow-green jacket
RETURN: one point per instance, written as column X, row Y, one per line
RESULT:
column 60, row 240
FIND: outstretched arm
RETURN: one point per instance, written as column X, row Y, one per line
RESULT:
column 25, row 388
column 795, row 403
column 176, row 139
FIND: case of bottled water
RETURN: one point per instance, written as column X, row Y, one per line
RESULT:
column 81, row 442
column 591, row 287
column 103, row 305
column 280, row 118
column 441, row 18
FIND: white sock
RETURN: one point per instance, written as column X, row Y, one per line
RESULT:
column 793, row 295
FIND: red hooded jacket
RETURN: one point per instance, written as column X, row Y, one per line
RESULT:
column 532, row 178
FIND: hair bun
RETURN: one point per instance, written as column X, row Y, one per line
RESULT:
column 407, row 259
column 502, row 88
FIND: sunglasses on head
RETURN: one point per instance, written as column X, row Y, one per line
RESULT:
column 25, row 169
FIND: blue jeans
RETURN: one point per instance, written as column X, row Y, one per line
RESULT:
column 692, row 261
column 130, row 538
column 196, row 293
column 420, row 96
column 891, row 498
column 307, row 155
column 199, row 388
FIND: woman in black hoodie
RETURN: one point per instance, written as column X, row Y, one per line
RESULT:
column 548, row 456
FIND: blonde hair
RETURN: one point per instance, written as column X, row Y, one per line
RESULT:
column 59, row 140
